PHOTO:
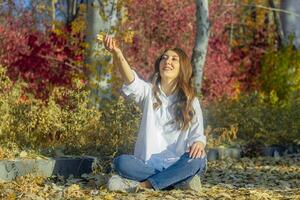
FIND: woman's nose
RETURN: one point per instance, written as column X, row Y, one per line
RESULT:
column 168, row 61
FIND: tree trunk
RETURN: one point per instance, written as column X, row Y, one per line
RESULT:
column 11, row 6
column 279, row 30
column 53, row 12
column 100, row 17
column 98, row 23
column 71, row 10
column 290, row 21
column 200, row 49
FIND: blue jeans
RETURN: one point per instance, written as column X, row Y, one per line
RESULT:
column 185, row 168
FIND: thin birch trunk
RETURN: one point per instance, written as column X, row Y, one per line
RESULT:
column 53, row 12
column 95, row 24
column 279, row 30
column 71, row 10
column 200, row 49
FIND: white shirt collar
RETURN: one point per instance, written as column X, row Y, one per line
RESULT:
column 169, row 97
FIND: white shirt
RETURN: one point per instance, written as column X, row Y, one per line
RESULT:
column 160, row 143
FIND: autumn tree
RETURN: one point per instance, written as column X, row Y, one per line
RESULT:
column 99, row 17
column 57, row 33
column 157, row 26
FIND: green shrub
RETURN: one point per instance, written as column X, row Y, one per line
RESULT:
column 280, row 73
column 254, row 118
column 65, row 121
column 120, row 122
column 33, row 123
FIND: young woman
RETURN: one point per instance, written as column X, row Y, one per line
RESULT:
column 169, row 151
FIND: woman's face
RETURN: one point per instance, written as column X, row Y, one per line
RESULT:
column 169, row 65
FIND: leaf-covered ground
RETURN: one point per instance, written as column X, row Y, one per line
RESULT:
column 256, row 178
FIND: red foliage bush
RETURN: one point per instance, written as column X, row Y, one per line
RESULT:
column 161, row 24
column 158, row 25
column 232, row 69
column 43, row 59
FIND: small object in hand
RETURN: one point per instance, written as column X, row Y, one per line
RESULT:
column 100, row 37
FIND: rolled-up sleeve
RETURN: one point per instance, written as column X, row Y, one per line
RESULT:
column 196, row 131
column 138, row 89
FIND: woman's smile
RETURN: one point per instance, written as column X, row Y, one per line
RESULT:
column 169, row 65
column 167, row 68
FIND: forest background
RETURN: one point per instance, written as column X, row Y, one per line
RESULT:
column 60, row 92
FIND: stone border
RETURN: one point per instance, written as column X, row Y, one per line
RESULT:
column 236, row 153
column 222, row 153
column 76, row 166
column 63, row 166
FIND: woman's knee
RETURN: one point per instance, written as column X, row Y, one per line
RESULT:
column 120, row 162
column 198, row 164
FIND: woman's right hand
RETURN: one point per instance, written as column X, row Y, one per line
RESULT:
column 110, row 44
column 118, row 59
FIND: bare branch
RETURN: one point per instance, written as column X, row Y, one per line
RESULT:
column 272, row 9
column 59, row 61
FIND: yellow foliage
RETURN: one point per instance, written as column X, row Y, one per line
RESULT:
column 252, row 17
column 273, row 97
column 237, row 91
column 261, row 97
column 85, row 45
column 73, row 191
column 128, row 36
column 41, row 7
column 221, row 135
column 78, row 26
column 1, row 153
column 57, row 31
column 82, row 8
column 100, row 36
column 280, row 72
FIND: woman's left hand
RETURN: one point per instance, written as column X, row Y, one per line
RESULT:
column 197, row 150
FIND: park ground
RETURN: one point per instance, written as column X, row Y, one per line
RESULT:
column 258, row 178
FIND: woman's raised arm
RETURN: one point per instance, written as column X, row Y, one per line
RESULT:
column 119, row 60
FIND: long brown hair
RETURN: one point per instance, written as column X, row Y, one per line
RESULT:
column 186, row 93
